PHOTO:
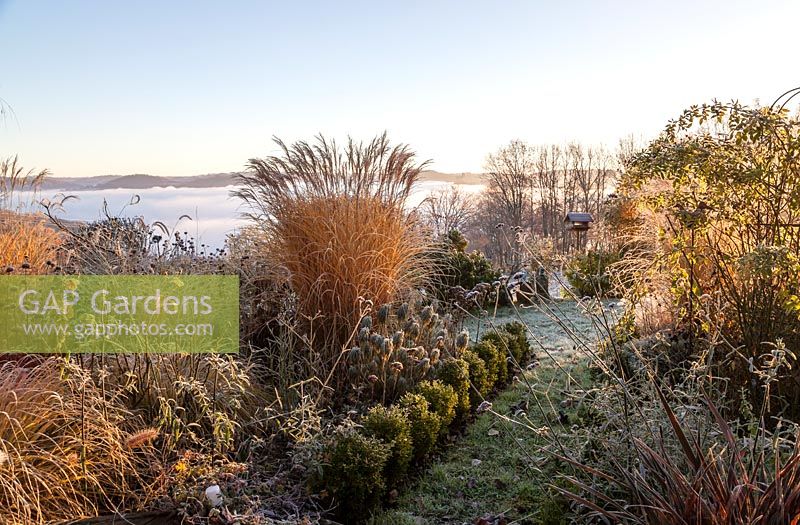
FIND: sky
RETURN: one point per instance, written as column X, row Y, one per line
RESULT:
column 191, row 87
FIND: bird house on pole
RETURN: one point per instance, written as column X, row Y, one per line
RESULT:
column 578, row 224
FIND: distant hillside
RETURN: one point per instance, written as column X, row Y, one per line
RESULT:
column 212, row 180
column 455, row 178
column 137, row 182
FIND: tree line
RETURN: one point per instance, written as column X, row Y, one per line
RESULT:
column 529, row 190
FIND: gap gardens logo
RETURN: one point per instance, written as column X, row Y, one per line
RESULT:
column 120, row 314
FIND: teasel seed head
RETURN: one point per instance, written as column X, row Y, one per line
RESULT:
column 383, row 313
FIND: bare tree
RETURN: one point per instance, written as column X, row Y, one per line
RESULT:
column 508, row 174
column 448, row 209
column 533, row 187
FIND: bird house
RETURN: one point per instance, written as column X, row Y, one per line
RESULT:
column 577, row 221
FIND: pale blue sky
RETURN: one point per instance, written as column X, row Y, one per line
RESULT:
column 181, row 88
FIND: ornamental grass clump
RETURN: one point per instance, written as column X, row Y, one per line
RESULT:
column 65, row 450
column 198, row 401
column 335, row 223
column 27, row 244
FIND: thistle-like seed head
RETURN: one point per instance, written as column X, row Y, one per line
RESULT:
column 462, row 340
column 376, row 340
column 354, row 354
column 383, row 313
column 426, row 314
column 402, row 312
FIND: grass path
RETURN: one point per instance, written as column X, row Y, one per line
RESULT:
column 497, row 472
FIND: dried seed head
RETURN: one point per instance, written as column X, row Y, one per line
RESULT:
column 427, row 314
column 376, row 340
column 402, row 312
column 383, row 313
column 462, row 340
column 483, row 407
column 412, row 329
column 141, row 438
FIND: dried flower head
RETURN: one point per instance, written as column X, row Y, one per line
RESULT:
column 485, row 406
column 141, row 438
column 383, row 313
column 462, row 340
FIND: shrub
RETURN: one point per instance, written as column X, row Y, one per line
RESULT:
column 335, row 220
column 492, row 349
column 459, row 268
column 455, row 373
column 728, row 252
column 590, row 276
column 425, row 424
column 442, row 400
column 392, row 427
column 478, row 376
column 520, row 347
column 352, row 471
column 510, row 339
